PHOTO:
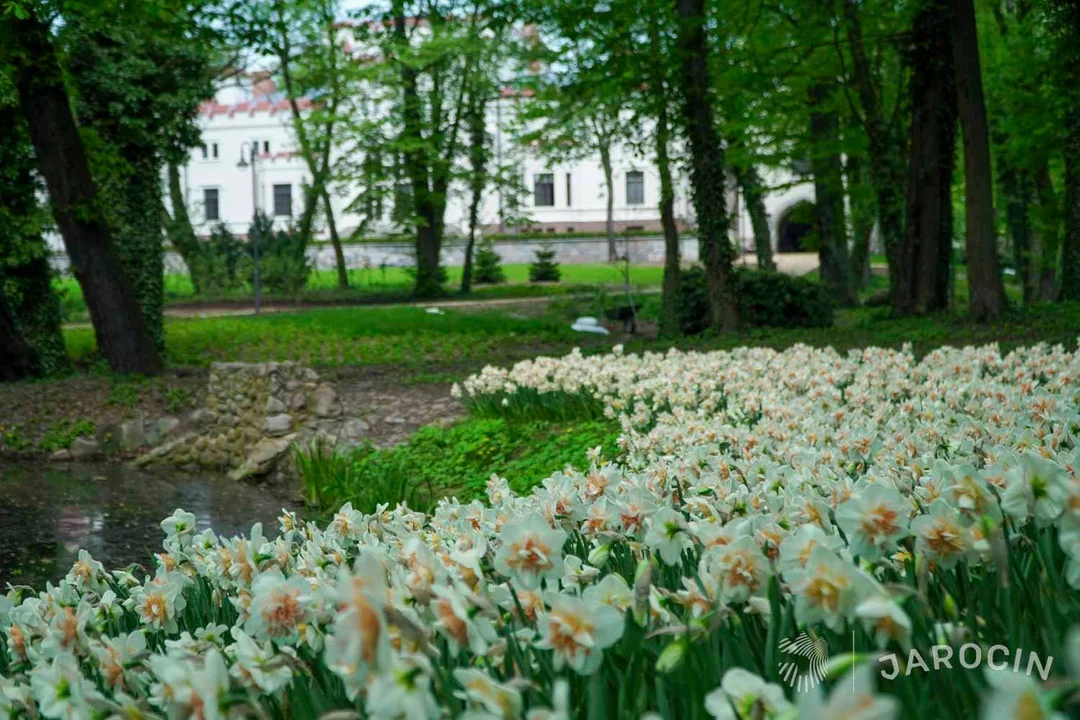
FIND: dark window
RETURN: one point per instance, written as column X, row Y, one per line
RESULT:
column 215, row 151
column 266, row 147
column 567, row 189
column 635, row 187
column 544, row 190
column 211, row 211
column 283, row 199
column 205, row 155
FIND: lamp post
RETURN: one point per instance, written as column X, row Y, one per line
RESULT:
column 243, row 164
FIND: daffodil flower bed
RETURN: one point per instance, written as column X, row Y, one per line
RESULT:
column 858, row 507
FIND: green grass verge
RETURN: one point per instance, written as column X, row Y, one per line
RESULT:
column 455, row 461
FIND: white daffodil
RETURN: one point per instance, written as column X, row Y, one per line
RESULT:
column 667, row 535
column 578, row 632
column 742, row 695
column 529, row 551
column 941, row 535
column 874, row 520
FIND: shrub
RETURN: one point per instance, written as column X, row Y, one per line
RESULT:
column 222, row 264
column 765, row 300
column 544, row 268
column 283, row 260
column 488, row 267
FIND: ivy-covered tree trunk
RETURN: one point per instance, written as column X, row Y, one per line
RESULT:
column 754, row 195
column 180, row 232
column 828, row 172
column 669, row 311
column 25, row 275
column 119, row 326
column 1017, row 193
column 986, row 292
column 923, row 261
column 706, row 164
column 17, row 359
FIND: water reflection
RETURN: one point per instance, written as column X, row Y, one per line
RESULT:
column 48, row 514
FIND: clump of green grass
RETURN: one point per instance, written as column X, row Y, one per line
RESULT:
column 455, row 461
column 525, row 404
column 62, row 433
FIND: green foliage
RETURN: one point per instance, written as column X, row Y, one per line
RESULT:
column 488, row 266
column 283, row 261
column 12, row 438
column 176, row 399
column 124, row 392
column 62, row 433
column 544, row 268
column 765, row 300
column 455, row 461
column 223, row 263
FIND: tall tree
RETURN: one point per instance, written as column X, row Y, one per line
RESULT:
column 883, row 128
column 920, row 283
column 476, row 126
column 1065, row 16
column 31, row 306
column 706, row 164
column 753, row 192
column 986, row 293
column 121, row 332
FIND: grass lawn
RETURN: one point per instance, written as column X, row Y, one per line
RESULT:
column 460, row 339
column 393, row 285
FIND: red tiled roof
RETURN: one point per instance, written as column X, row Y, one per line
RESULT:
column 212, row 108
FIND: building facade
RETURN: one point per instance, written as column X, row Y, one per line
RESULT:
column 222, row 184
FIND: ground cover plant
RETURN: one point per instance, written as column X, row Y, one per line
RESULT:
column 882, row 504
column 451, row 462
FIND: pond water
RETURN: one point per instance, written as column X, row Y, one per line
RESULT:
column 49, row 513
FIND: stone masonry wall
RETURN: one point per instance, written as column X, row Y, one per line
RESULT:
column 253, row 414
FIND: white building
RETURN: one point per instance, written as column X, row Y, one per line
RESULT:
column 561, row 197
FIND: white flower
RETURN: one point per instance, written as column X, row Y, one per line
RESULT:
column 578, row 632
column 743, row 695
column 667, row 535
column 1014, row 695
column 827, row 589
column 61, row 691
column 278, row 608
column 852, row 698
column 739, row 569
column 179, row 527
column 941, row 535
column 530, row 551
column 499, row 700
column 874, row 520
column 403, row 691
column 257, row 665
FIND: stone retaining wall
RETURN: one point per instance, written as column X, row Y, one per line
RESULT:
column 253, row 414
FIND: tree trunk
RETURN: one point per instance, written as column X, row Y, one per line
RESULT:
column 828, row 171
column 181, row 233
column 17, row 360
column 609, row 185
column 119, row 327
column 754, row 195
column 862, row 219
column 1016, row 189
column 885, row 149
column 706, row 165
column 921, row 281
column 986, row 293
column 36, row 310
column 1048, row 232
column 478, row 157
column 669, row 312
column 1070, row 264
column 335, row 241
column 428, row 282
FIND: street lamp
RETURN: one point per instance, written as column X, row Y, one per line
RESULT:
column 243, row 164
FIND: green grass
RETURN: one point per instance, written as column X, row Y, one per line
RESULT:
column 455, row 461
column 390, row 285
column 435, row 345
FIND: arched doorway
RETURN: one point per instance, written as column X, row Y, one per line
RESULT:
column 795, row 229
